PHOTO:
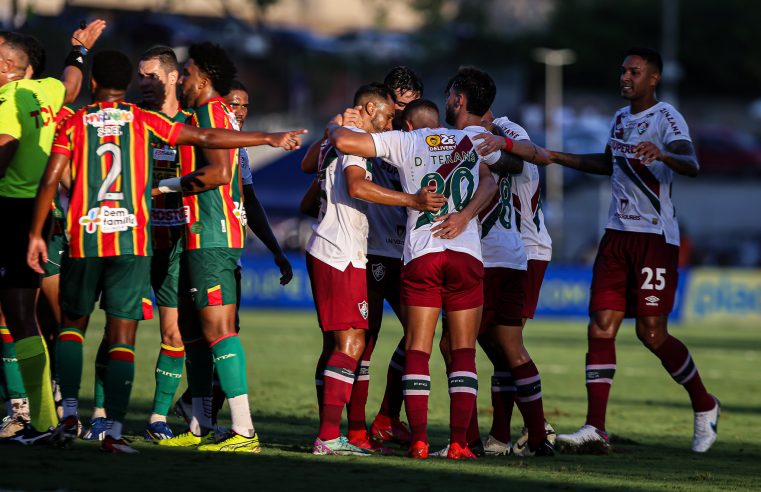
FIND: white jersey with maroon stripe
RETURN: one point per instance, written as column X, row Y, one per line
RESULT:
column 387, row 224
column 339, row 238
column 527, row 200
column 501, row 243
column 446, row 159
column 641, row 199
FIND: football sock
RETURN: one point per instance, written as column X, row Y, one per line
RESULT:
column 600, row 369
column 200, row 421
column 101, row 369
column 14, row 382
column 338, row 380
column 70, row 407
column 393, row 398
column 676, row 359
column 463, row 389
column 502, row 399
column 168, row 376
column 416, row 384
column 69, row 362
column 114, row 429
column 319, row 380
column 218, row 398
column 474, row 433
column 119, row 378
column 355, row 410
column 230, row 363
column 528, row 386
column 200, row 367
column 34, row 363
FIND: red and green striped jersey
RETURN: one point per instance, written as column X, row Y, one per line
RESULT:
column 168, row 215
column 214, row 215
column 57, row 207
column 110, row 196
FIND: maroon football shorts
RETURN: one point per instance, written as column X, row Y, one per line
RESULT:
column 504, row 295
column 535, row 277
column 339, row 297
column 446, row 279
column 635, row 273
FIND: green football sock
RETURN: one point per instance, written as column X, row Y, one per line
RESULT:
column 69, row 361
column 14, row 382
column 200, row 367
column 168, row 377
column 230, row 363
column 101, row 368
column 35, row 368
column 119, row 378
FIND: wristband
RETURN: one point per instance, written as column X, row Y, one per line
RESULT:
column 508, row 144
column 170, row 185
column 76, row 57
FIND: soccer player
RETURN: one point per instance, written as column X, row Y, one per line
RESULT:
column 635, row 272
column 385, row 246
column 108, row 223
column 336, row 260
column 443, row 265
column 214, row 238
column 27, row 116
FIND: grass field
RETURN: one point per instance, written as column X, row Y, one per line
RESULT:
column 649, row 417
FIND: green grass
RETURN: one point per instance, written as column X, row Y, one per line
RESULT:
column 649, row 416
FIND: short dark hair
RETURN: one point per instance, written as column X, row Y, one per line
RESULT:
column 419, row 105
column 37, row 56
column 165, row 55
column 478, row 87
column 403, row 79
column 651, row 56
column 112, row 70
column 237, row 85
column 373, row 89
column 214, row 62
column 17, row 42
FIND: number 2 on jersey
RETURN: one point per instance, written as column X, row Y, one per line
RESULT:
column 452, row 187
column 113, row 173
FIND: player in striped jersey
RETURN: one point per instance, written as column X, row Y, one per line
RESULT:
column 108, row 146
column 635, row 272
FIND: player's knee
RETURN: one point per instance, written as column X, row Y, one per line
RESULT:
column 601, row 327
column 651, row 332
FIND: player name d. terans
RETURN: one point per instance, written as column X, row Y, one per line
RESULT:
column 453, row 158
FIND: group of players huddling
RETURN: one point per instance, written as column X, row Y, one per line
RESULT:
column 126, row 203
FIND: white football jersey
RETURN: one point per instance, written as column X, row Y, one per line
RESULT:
column 527, row 200
column 340, row 235
column 641, row 199
column 501, row 243
column 444, row 158
column 387, row 224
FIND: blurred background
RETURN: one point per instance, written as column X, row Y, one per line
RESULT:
column 556, row 65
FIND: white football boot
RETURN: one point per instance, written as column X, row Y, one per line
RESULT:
column 706, row 428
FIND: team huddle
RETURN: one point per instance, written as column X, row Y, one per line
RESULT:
column 130, row 204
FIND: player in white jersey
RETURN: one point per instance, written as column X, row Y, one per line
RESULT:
column 442, row 263
column 635, row 272
column 336, row 263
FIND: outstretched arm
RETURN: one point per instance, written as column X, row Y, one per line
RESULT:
column 218, row 138
column 588, row 163
column 37, row 252
column 679, row 156
column 350, row 142
column 525, row 149
column 359, row 187
column 72, row 73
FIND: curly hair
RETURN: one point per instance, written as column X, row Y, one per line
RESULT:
column 112, row 70
column 478, row 87
column 215, row 64
column 403, row 79
column 37, row 56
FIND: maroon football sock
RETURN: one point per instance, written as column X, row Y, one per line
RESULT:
column 463, row 389
column 474, row 433
column 391, row 406
column 355, row 410
column 502, row 400
column 338, row 379
column 676, row 359
column 417, row 386
column 528, row 385
column 600, row 369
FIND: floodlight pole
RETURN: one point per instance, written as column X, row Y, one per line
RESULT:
column 553, row 105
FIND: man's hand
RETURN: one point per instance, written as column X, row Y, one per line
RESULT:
column 647, row 152
column 37, row 253
column 286, row 140
column 489, row 143
column 89, row 35
column 427, row 200
column 488, row 121
column 286, row 271
column 450, row 225
column 352, row 117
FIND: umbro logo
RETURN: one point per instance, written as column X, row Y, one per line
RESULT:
column 652, row 300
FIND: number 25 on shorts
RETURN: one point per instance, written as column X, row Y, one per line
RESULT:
column 658, row 275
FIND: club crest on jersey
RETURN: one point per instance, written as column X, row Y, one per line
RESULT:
column 364, row 310
column 440, row 143
column 401, row 230
column 624, row 204
column 642, row 127
column 379, row 271
column 109, row 121
column 108, row 219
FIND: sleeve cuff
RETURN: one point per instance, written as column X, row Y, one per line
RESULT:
column 60, row 149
